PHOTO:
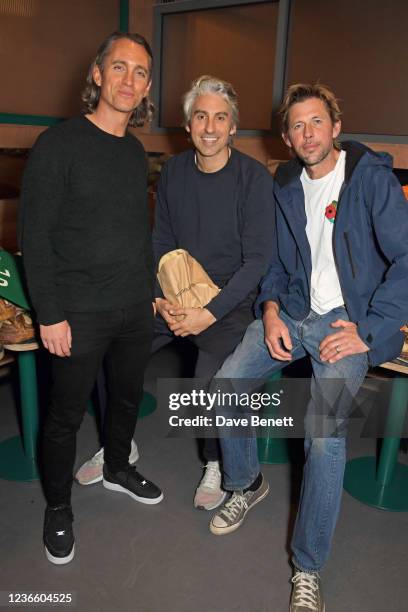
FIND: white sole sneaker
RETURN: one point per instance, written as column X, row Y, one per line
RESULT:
column 60, row 560
column 133, row 457
column 231, row 528
column 213, row 506
column 90, row 482
column 119, row 489
column 22, row 346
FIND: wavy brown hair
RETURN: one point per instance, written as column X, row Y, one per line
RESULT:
column 299, row 92
column 91, row 93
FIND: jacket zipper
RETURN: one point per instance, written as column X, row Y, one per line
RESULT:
column 346, row 238
column 342, row 189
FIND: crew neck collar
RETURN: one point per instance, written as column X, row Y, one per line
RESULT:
column 102, row 131
column 216, row 172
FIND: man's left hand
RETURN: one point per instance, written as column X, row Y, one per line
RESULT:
column 195, row 321
column 343, row 343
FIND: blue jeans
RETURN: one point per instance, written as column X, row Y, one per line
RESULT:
column 324, row 457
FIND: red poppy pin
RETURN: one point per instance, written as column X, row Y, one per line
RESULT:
column 330, row 212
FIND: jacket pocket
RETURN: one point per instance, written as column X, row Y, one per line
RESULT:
column 346, row 238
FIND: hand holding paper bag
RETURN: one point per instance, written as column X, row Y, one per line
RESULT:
column 185, row 284
column 184, row 281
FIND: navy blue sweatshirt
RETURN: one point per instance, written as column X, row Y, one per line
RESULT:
column 224, row 219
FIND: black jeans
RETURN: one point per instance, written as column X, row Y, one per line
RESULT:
column 214, row 345
column 124, row 338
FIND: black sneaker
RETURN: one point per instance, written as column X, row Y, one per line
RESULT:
column 132, row 483
column 58, row 535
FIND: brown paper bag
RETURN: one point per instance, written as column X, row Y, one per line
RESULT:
column 184, row 281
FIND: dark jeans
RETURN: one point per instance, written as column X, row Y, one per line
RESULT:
column 124, row 338
column 214, row 345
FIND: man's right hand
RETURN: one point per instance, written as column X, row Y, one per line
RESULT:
column 277, row 337
column 163, row 308
column 57, row 338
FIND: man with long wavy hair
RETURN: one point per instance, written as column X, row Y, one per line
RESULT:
column 88, row 258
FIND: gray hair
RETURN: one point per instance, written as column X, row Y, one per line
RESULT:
column 209, row 84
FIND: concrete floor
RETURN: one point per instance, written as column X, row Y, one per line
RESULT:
column 132, row 557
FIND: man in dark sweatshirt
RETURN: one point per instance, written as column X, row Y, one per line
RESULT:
column 88, row 258
column 217, row 203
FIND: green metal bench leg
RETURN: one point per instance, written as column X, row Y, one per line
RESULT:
column 18, row 456
column 147, row 405
column 385, row 486
column 270, row 449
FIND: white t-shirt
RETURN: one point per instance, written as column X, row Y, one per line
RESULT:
column 321, row 197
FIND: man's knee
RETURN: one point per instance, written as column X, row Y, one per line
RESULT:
column 60, row 430
column 235, row 365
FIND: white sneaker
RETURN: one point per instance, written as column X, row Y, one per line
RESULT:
column 209, row 494
column 91, row 471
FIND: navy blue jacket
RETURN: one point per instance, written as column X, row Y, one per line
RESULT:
column 370, row 246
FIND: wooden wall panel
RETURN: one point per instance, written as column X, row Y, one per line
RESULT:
column 236, row 44
column 360, row 50
column 141, row 18
column 45, row 52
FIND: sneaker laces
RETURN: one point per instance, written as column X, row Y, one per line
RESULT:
column 234, row 506
column 306, row 590
column 59, row 516
column 212, row 476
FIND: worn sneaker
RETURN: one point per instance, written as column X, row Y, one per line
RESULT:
column 90, row 472
column 209, row 494
column 306, row 593
column 58, row 535
column 233, row 512
column 8, row 310
column 17, row 334
column 132, row 483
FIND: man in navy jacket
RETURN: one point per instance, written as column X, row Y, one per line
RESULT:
column 337, row 292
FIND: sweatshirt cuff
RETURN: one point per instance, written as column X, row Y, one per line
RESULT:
column 216, row 310
column 49, row 314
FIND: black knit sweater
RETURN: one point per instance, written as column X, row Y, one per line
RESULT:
column 84, row 229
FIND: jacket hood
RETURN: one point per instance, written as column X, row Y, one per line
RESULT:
column 356, row 154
